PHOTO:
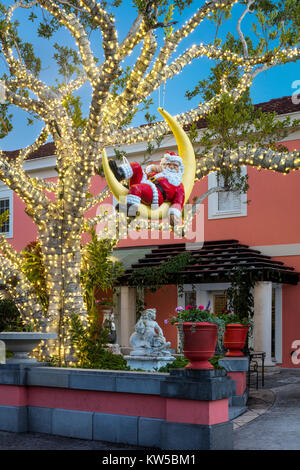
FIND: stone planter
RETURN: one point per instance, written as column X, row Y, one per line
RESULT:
column 234, row 339
column 199, row 343
column 21, row 343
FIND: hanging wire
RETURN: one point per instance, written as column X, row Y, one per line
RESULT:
column 164, row 95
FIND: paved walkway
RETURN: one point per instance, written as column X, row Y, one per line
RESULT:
column 273, row 419
column 36, row 441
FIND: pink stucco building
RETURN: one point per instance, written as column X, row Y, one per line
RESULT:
column 269, row 224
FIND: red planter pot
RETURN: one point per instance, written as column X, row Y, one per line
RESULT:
column 199, row 343
column 234, row 339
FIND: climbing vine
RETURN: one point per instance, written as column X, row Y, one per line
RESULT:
column 170, row 271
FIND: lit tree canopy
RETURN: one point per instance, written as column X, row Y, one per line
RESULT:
column 120, row 87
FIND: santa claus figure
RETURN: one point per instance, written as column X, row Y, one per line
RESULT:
column 157, row 184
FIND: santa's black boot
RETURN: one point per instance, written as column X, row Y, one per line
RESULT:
column 117, row 171
column 129, row 209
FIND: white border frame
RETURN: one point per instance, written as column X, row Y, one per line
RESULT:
column 6, row 193
column 213, row 212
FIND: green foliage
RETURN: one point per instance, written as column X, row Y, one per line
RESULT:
column 98, row 271
column 235, row 123
column 67, row 59
column 240, row 294
column 73, row 106
column 156, row 276
column 34, row 269
column 231, row 318
column 5, row 120
column 4, row 217
column 197, row 315
column 278, row 20
column 179, row 363
column 194, row 315
column 10, row 317
column 90, row 349
column 215, row 362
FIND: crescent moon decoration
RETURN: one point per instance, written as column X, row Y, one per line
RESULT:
column 185, row 150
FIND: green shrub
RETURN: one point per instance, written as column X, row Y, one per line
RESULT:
column 10, row 317
column 89, row 344
column 179, row 363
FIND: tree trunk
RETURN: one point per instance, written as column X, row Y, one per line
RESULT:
column 62, row 258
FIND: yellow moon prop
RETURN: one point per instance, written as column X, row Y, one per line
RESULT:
column 185, row 150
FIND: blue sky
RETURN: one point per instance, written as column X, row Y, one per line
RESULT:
column 274, row 83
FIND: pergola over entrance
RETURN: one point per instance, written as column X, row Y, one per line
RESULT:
column 211, row 265
column 215, row 260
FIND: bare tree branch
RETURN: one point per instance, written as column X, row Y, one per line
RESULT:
column 128, row 98
column 239, row 30
column 77, row 30
column 98, row 199
column 24, row 153
column 100, row 16
column 17, row 180
column 135, row 34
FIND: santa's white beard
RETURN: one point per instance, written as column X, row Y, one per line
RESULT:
column 173, row 177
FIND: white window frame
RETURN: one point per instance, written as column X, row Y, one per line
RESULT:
column 213, row 210
column 8, row 194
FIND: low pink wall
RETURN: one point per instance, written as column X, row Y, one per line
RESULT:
column 129, row 404
column 212, row 412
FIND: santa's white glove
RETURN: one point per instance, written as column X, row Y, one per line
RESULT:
column 175, row 216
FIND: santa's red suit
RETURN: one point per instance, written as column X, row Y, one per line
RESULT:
column 153, row 187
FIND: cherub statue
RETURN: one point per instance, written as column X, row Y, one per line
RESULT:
column 148, row 338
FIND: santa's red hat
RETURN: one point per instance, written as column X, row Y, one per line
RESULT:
column 172, row 157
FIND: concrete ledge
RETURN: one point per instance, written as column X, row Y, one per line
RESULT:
column 87, row 425
column 196, row 437
column 108, row 381
column 149, row 432
column 115, row 428
column 240, row 400
column 13, row 419
column 72, row 423
column 40, row 419
column 234, row 364
column 11, row 374
column 197, row 385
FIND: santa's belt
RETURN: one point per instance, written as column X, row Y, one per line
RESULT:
column 159, row 187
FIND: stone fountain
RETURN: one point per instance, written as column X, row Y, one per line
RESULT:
column 20, row 343
column 150, row 351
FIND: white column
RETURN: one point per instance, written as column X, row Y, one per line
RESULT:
column 127, row 314
column 262, row 333
column 202, row 297
column 278, row 324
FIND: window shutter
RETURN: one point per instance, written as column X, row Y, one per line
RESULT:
column 4, row 206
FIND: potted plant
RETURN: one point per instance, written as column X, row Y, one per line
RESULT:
column 235, row 335
column 238, row 319
column 199, row 330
